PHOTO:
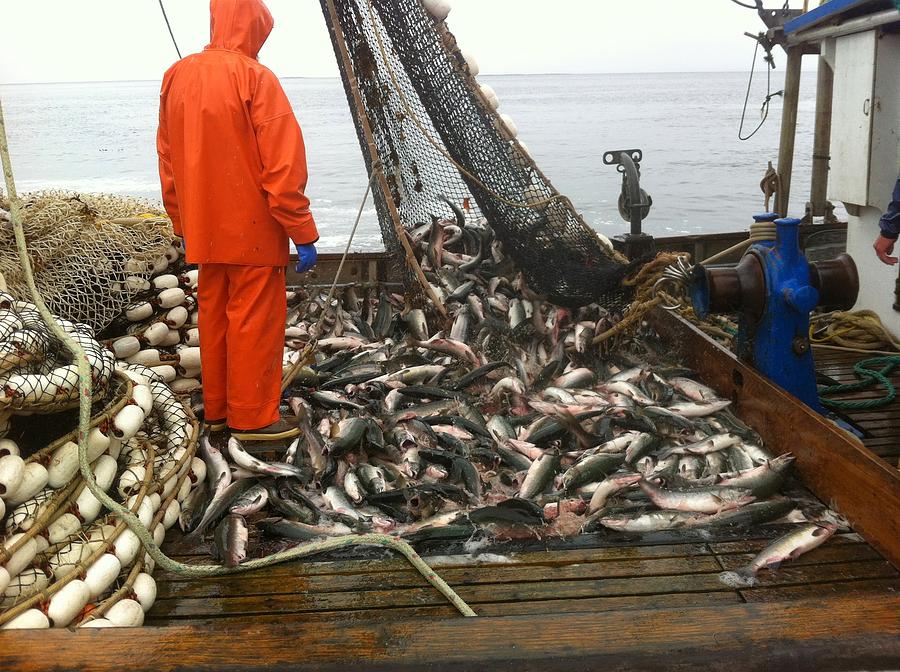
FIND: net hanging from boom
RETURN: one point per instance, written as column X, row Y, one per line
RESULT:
column 421, row 116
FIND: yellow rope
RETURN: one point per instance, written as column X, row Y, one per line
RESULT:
column 862, row 330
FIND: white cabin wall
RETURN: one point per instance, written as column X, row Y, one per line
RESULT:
column 876, row 280
column 865, row 155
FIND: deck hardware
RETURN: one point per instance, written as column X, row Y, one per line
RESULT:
column 634, row 203
column 774, row 288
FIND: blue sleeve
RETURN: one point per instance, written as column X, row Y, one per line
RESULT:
column 890, row 220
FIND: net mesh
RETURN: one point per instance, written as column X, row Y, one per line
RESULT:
column 437, row 137
column 90, row 253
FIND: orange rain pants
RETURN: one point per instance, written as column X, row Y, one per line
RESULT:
column 240, row 350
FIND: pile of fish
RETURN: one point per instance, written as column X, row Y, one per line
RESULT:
column 503, row 419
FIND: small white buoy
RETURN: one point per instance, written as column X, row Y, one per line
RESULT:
column 438, row 9
column 490, row 95
column 126, row 613
column 12, row 471
column 101, row 574
column 98, row 623
column 156, row 333
column 198, row 470
column 166, row 281
column 173, row 338
column 173, row 510
column 166, row 372
column 172, row 254
column 97, row 444
column 63, row 527
column 471, row 63
column 160, row 264
column 29, row 582
column 525, row 149
column 8, row 447
column 126, row 547
column 135, row 284
column 189, row 358
column 130, row 482
column 148, row 357
column 184, row 385
column 87, row 505
column 144, row 588
column 33, row 481
column 508, row 127
column 143, row 397
column 32, row 619
column 68, row 603
column 183, row 491
column 190, row 278
column 159, row 534
column 192, row 337
column 4, row 579
column 125, row 347
column 177, row 317
column 139, row 311
column 169, row 298
column 63, row 465
column 127, row 422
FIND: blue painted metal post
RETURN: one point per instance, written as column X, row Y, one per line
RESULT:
column 780, row 342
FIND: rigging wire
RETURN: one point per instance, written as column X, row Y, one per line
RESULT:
column 169, row 26
column 764, row 110
column 757, row 6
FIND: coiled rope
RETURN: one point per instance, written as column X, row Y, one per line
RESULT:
column 866, row 370
column 130, row 519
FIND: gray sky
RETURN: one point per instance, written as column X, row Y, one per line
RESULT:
column 87, row 40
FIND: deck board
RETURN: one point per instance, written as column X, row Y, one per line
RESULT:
column 882, row 425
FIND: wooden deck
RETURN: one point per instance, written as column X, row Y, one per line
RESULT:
column 602, row 601
column 595, row 574
column 882, row 425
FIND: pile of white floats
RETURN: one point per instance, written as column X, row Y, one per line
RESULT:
column 64, row 561
column 439, row 10
column 159, row 330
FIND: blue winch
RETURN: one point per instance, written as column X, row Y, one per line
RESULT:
column 774, row 289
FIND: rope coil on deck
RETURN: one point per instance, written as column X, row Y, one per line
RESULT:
column 128, row 517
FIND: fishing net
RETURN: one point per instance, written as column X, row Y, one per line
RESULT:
column 436, row 137
column 91, row 253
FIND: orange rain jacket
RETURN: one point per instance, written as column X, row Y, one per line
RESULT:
column 231, row 157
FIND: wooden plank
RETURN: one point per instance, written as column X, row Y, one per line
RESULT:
column 455, row 576
column 838, row 469
column 392, row 564
column 294, row 598
column 838, row 634
column 409, row 597
column 877, row 587
column 585, row 605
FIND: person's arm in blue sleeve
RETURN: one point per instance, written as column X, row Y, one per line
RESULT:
column 890, row 228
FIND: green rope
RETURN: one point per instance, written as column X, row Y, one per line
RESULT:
column 134, row 524
column 866, row 370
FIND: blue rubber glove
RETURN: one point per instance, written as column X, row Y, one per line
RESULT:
column 306, row 257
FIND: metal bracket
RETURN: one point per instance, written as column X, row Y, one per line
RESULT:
column 634, row 202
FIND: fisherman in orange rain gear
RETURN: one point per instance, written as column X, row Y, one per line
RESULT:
column 233, row 170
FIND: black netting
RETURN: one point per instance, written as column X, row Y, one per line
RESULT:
column 436, row 136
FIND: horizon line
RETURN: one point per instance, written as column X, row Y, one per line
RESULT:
column 484, row 74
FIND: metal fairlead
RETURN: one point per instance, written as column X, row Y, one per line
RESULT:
column 634, row 202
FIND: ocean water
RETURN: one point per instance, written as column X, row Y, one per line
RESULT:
column 100, row 137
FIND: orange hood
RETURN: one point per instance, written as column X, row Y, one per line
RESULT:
column 239, row 25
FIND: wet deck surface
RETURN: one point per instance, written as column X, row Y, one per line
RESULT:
column 586, row 575
column 881, row 425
